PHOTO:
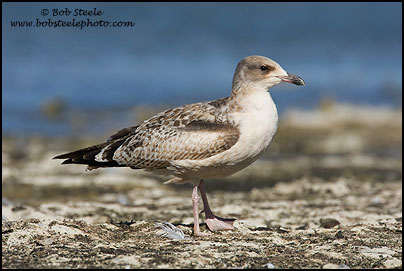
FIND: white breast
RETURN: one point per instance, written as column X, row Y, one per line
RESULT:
column 257, row 123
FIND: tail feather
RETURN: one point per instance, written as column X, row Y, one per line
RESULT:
column 105, row 151
column 87, row 155
column 81, row 152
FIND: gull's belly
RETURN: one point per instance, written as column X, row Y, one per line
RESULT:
column 257, row 126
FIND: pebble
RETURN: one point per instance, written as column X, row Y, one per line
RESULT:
column 339, row 235
column 328, row 223
column 269, row 266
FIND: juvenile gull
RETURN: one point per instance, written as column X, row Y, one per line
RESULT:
column 202, row 140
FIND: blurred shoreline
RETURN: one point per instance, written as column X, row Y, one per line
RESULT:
column 55, row 118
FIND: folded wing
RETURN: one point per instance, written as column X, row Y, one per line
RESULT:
column 194, row 132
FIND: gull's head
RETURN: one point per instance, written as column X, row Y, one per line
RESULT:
column 259, row 72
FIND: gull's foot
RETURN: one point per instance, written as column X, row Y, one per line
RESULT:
column 199, row 233
column 216, row 223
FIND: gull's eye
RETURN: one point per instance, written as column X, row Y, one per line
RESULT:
column 264, row 68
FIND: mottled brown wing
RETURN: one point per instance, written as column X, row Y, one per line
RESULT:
column 195, row 132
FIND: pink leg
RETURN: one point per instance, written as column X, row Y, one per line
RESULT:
column 214, row 222
column 195, row 202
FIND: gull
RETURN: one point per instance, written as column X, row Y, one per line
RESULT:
column 202, row 140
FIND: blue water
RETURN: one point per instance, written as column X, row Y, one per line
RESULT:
column 187, row 52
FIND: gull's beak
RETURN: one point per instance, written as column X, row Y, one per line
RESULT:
column 291, row 78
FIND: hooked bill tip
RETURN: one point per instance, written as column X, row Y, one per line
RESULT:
column 294, row 79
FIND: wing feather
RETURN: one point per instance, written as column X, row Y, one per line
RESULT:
column 191, row 132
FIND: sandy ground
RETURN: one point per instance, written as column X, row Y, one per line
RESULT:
column 328, row 194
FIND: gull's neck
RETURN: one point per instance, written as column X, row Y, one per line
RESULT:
column 250, row 96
